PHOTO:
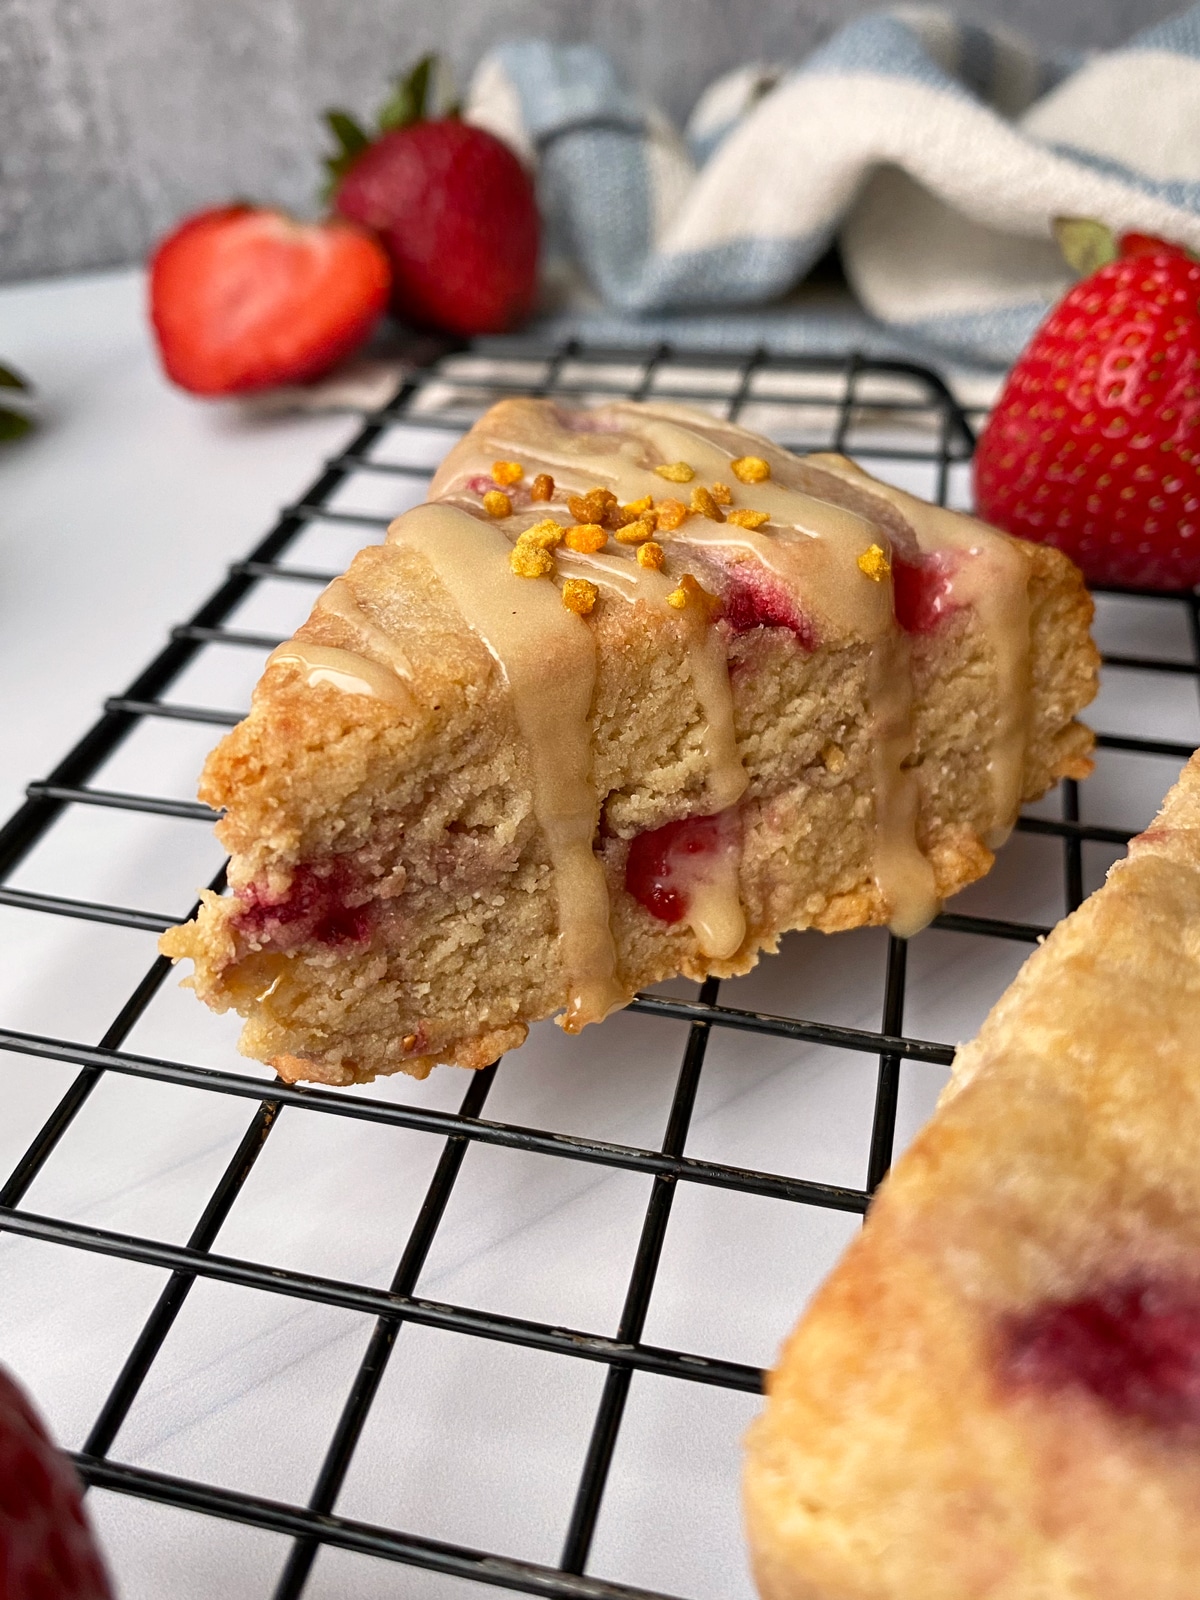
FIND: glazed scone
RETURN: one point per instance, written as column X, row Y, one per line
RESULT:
column 633, row 695
column 997, row 1392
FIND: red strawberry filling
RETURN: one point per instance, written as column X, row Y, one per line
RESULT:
column 316, row 908
column 665, row 863
column 754, row 599
column 1135, row 1346
column 922, row 590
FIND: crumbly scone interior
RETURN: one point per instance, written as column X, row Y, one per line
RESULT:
column 394, row 886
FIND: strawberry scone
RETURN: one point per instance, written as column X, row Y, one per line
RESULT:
column 997, row 1392
column 635, row 693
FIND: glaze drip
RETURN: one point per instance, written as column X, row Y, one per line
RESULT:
column 342, row 669
column 536, row 642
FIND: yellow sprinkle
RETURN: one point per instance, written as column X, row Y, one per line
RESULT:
column 874, row 563
column 636, row 507
column 543, row 535
column 676, row 472
column 671, row 514
column 585, row 538
column 751, row 469
column 527, row 561
column 748, row 519
column 497, row 504
column 579, row 596
column 542, row 487
column 650, row 555
column 506, row 472
column 690, row 593
column 703, row 502
column 722, row 494
column 636, row 532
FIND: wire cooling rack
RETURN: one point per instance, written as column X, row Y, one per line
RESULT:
column 836, row 1013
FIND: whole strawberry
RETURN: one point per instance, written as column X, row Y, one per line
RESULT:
column 46, row 1549
column 1094, row 444
column 453, row 206
column 244, row 299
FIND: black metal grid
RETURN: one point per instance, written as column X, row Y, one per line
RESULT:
column 840, row 395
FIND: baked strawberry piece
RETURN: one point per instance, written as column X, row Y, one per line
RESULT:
column 46, row 1547
column 637, row 692
column 997, row 1393
column 1094, row 443
column 243, row 299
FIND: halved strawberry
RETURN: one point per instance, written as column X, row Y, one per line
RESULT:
column 244, row 299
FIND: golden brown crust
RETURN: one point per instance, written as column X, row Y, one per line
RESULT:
column 428, row 799
column 895, row 1461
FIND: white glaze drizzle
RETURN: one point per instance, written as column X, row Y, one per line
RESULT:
column 338, row 601
column 714, row 913
column 622, row 577
column 548, row 657
column 903, row 872
column 342, row 669
column 812, row 545
column 992, row 577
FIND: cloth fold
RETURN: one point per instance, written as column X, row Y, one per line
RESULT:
column 936, row 152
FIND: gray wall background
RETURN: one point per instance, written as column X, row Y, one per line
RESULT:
column 118, row 116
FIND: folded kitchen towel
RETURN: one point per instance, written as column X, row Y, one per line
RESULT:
column 936, row 151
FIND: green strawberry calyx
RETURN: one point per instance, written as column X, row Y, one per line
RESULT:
column 1087, row 245
column 408, row 103
column 13, row 423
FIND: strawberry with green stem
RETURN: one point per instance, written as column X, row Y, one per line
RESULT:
column 1094, row 443
column 452, row 205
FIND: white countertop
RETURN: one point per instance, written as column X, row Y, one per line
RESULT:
column 116, row 519
column 120, row 513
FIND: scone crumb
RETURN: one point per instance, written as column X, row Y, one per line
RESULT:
column 580, row 596
column 585, row 538
column 834, row 758
column 690, row 593
column 637, row 508
column 705, row 505
column 650, row 555
column 750, row 469
column 506, row 473
column 671, row 514
column 743, row 517
column 497, row 504
column 542, row 487
column 676, row 472
column 636, row 532
column 722, row 494
column 527, row 561
column 874, row 563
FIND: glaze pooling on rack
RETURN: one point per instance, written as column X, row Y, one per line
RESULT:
column 535, row 641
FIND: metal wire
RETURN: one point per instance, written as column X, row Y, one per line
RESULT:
column 851, row 389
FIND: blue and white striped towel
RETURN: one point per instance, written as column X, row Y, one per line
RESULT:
column 936, row 151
